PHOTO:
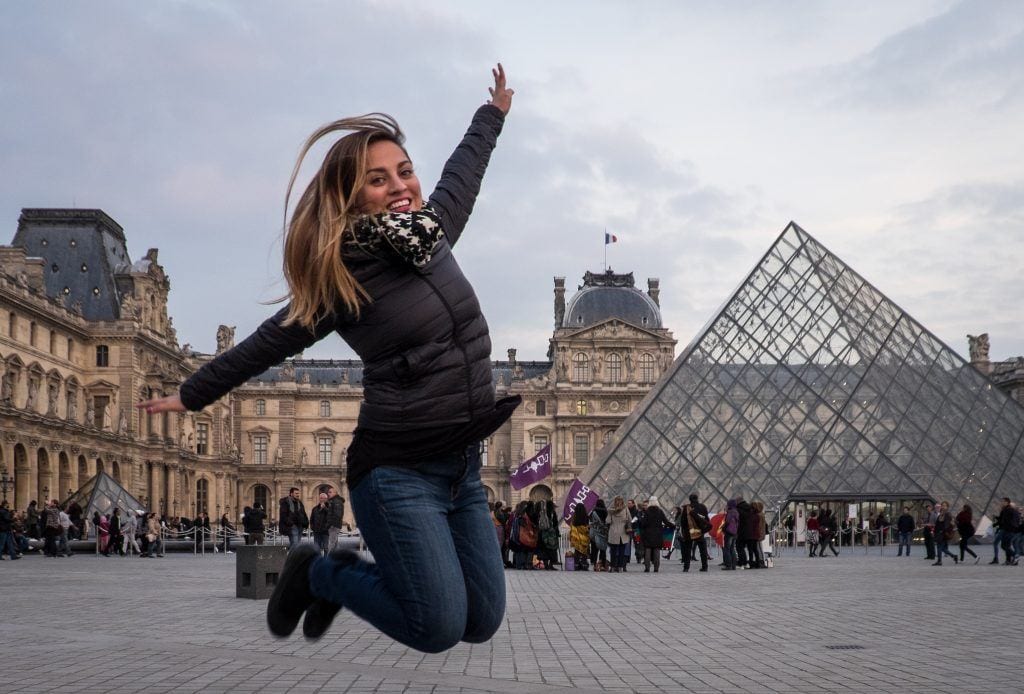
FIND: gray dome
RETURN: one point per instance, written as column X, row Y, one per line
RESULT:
column 594, row 304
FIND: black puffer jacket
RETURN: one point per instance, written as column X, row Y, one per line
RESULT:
column 423, row 339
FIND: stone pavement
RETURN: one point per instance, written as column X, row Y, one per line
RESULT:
column 93, row 624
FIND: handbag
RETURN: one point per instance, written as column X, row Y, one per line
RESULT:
column 695, row 533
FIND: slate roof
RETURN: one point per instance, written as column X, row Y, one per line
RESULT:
column 609, row 295
column 82, row 249
column 332, row 372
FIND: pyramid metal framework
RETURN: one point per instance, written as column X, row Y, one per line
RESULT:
column 810, row 384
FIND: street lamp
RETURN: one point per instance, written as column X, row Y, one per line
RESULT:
column 5, row 482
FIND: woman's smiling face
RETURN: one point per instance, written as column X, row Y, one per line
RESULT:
column 391, row 183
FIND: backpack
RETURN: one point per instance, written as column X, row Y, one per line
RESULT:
column 52, row 519
column 527, row 535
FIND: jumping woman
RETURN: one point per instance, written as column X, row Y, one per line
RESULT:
column 365, row 256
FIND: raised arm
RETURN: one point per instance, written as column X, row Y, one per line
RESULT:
column 270, row 344
column 456, row 191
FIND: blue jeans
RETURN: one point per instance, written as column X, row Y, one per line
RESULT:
column 294, row 537
column 997, row 540
column 905, row 542
column 438, row 577
column 729, row 551
column 7, row 544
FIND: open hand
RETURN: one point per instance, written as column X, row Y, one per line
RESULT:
column 169, row 403
column 501, row 95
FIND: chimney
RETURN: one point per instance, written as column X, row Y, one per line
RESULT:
column 559, row 301
column 653, row 290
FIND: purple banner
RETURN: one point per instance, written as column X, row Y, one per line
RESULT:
column 578, row 493
column 536, row 468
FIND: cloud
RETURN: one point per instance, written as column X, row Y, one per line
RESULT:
column 972, row 53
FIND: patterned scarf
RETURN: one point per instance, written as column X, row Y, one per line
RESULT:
column 410, row 236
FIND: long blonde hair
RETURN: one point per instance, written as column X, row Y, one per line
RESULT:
column 318, row 280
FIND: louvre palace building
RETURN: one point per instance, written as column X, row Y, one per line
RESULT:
column 748, row 407
column 84, row 333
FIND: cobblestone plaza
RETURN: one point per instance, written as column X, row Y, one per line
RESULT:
column 860, row 622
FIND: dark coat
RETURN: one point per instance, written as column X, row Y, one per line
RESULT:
column 905, row 523
column 253, row 521
column 319, row 518
column 335, row 511
column 746, row 511
column 423, row 340
column 287, row 520
column 652, row 522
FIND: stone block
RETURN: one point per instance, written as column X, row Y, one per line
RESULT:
column 256, row 570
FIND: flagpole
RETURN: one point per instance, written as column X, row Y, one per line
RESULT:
column 606, row 249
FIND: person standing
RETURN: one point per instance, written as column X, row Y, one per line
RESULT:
column 599, row 536
column 634, row 520
column 945, row 528
column 730, row 530
column 256, row 526
column 32, row 520
column 579, row 537
column 619, row 530
column 50, row 520
column 335, row 518
column 689, row 529
column 547, row 534
column 500, row 519
column 228, row 529
column 292, row 518
column 965, row 526
column 154, row 539
column 319, row 523
column 65, row 529
column 7, row 543
column 652, row 527
column 114, row 544
column 905, row 530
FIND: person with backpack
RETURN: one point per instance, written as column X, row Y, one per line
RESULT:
column 652, row 527
column 599, row 536
column 698, row 524
column 547, row 530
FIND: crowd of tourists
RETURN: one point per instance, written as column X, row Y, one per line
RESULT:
column 606, row 538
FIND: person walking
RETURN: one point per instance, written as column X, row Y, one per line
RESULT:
column 652, row 527
column 827, row 533
column 292, row 518
column 813, row 530
column 154, row 539
column 945, row 529
column 1010, row 524
column 547, row 534
column 965, row 527
column 904, row 530
column 130, row 531
column 634, row 520
column 619, row 531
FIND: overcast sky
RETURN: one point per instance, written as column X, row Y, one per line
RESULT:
column 694, row 132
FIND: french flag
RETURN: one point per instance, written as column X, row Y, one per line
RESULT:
column 610, row 238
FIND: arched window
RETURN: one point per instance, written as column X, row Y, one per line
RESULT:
column 542, row 408
column 202, row 495
column 646, row 368
column 580, row 367
column 261, row 407
column 325, row 408
column 614, row 368
column 581, row 407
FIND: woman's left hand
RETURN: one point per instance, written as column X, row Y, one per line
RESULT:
column 501, row 95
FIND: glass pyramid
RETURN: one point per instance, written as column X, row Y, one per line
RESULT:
column 102, row 493
column 811, row 385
